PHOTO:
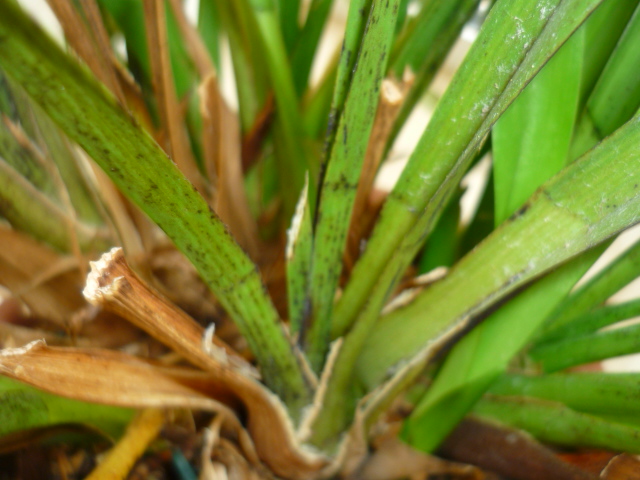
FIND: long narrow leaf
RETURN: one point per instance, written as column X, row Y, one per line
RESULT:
column 543, row 114
column 597, row 393
column 531, row 140
column 484, row 354
column 307, row 44
column 356, row 19
column 599, row 288
column 619, row 75
column 340, row 181
column 294, row 159
column 602, row 32
column 616, row 96
column 433, row 41
column 29, row 210
column 595, row 320
column 517, row 43
column 554, row 423
column 554, row 356
column 24, row 407
column 563, row 219
column 298, row 257
column 147, row 176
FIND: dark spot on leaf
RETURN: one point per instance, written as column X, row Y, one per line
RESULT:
column 521, row 211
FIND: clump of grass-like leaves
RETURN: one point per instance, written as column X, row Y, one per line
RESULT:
column 255, row 295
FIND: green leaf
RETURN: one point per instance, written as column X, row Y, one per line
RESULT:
column 340, row 180
column 307, row 44
column 427, row 44
column 595, row 320
column 209, row 28
column 293, row 159
column 298, row 258
column 599, row 288
column 620, row 75
column 555, row 423
column 29, row 210
column 424, row 32
column 514, row 44
column 27, row 161
column 530, row 144
column 248, row 66
column 565, row 353
column 318, row 105
column 23, row 407
column 85, row 112
column 289, row 11
column 616, row 95
column 597, row 393
column 442, row 247
column 561, row 220
column 356, row 20
column 482, row 223
column 531, row 140
column 483, row 355
column 129, row 17
column 602, row 32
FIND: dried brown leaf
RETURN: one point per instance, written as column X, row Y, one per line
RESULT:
column 47, row 282
column 103, row 46
column 107, row 377
column 622, row 467
column 221, row 142
column 93, row 49
column 113, row 286
column 171, row 116
column 507, row 452
column 193, row 41
column 235, row 465
column 267, row 420
column 397, row 460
